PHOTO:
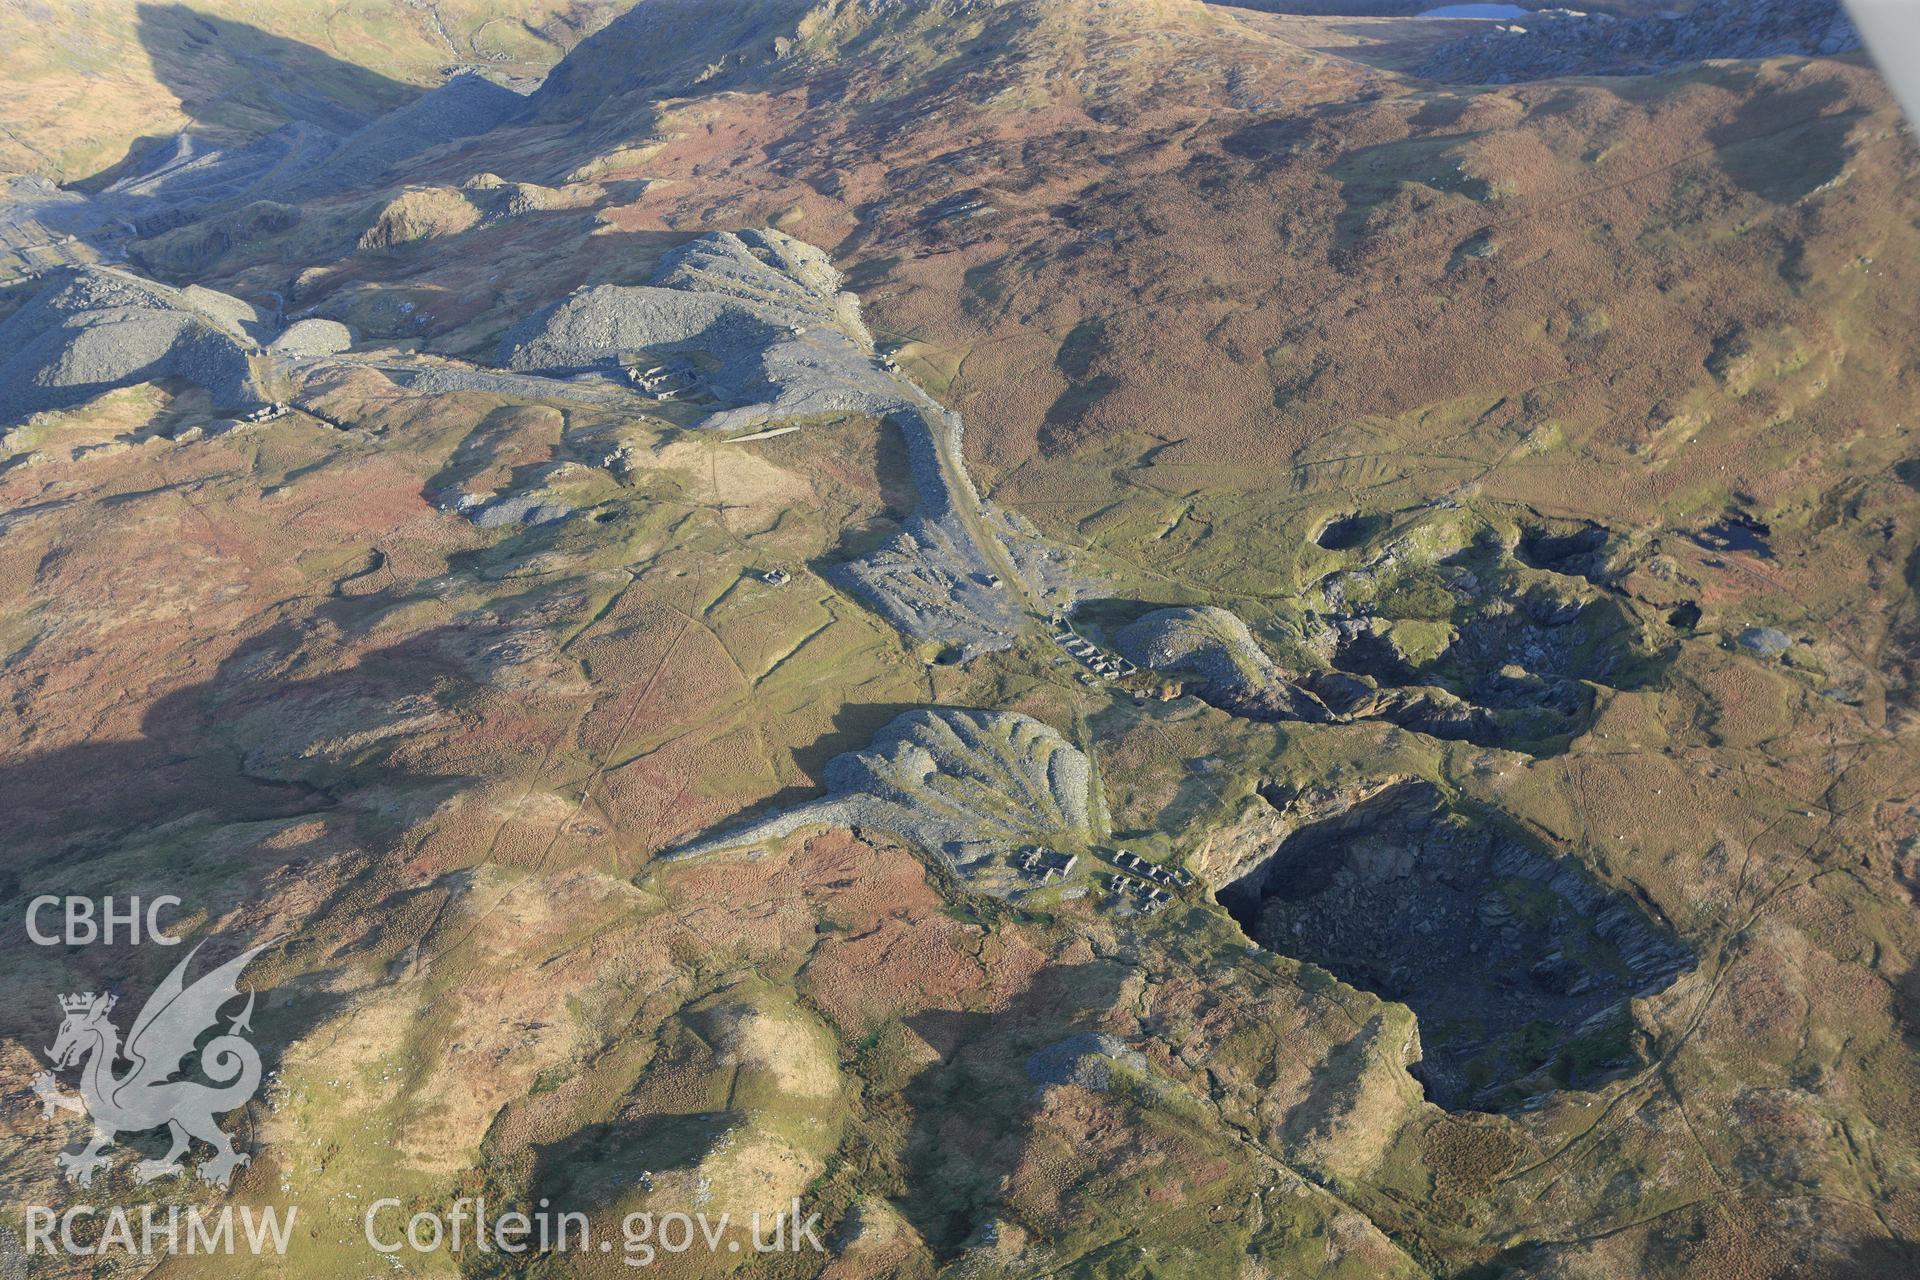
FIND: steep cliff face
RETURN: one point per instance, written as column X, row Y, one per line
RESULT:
column 1517, row 963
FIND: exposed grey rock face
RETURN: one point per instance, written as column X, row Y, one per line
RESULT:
column 522, row 509
column 594, row 325
column 503, row 511
column 449, row 379
column 1560, row 42
column 780, row 278
column 763, row 307
column 312, row 338
column 35, row 210
column 1518, row 963
column 1087, row 1059
column 777, row 340
column 1236, row 674
column 187, row 178
column 182, row 176
column 91, row 329
column 965, row 785
column 1237, row 851
column 1764, row 642
column 175, row 180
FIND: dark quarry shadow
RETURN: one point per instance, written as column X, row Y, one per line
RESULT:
column 1517, row 960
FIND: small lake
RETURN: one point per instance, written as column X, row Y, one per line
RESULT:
column 1737, row 532
column 1502, row 11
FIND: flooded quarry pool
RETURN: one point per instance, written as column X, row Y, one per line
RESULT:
column 1491, row 11
column 1517, row 962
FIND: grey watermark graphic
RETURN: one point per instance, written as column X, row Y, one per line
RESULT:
column 186, row 1060
column 468, row 1226
column 88, row 1231
column 146, row 1095
column 81, row 922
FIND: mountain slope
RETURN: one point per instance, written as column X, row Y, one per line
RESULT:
column 1506, row 491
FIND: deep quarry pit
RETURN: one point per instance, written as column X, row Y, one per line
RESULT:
column 1518, row 963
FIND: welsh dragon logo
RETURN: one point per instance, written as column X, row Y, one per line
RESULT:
column 146, row 1095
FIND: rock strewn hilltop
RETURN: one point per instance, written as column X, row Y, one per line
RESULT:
column 764, row 307
column 1216, row 645
column 961, row 784
column 94, row 328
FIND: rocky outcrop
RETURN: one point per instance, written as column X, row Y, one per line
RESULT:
column 963, row 785
column 1088, row 1059
column 1234, row 673
column 422, row 213
column 764, row 311
column 313, row 337
column 1563, row 42
column 91, row 329
column 1764, row 642
column 429, row 213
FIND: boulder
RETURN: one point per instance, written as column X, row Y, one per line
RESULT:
column 312, row 338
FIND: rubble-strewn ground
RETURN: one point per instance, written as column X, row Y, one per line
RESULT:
column 966, row 785
column 90, row 329
column 1467, row 530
